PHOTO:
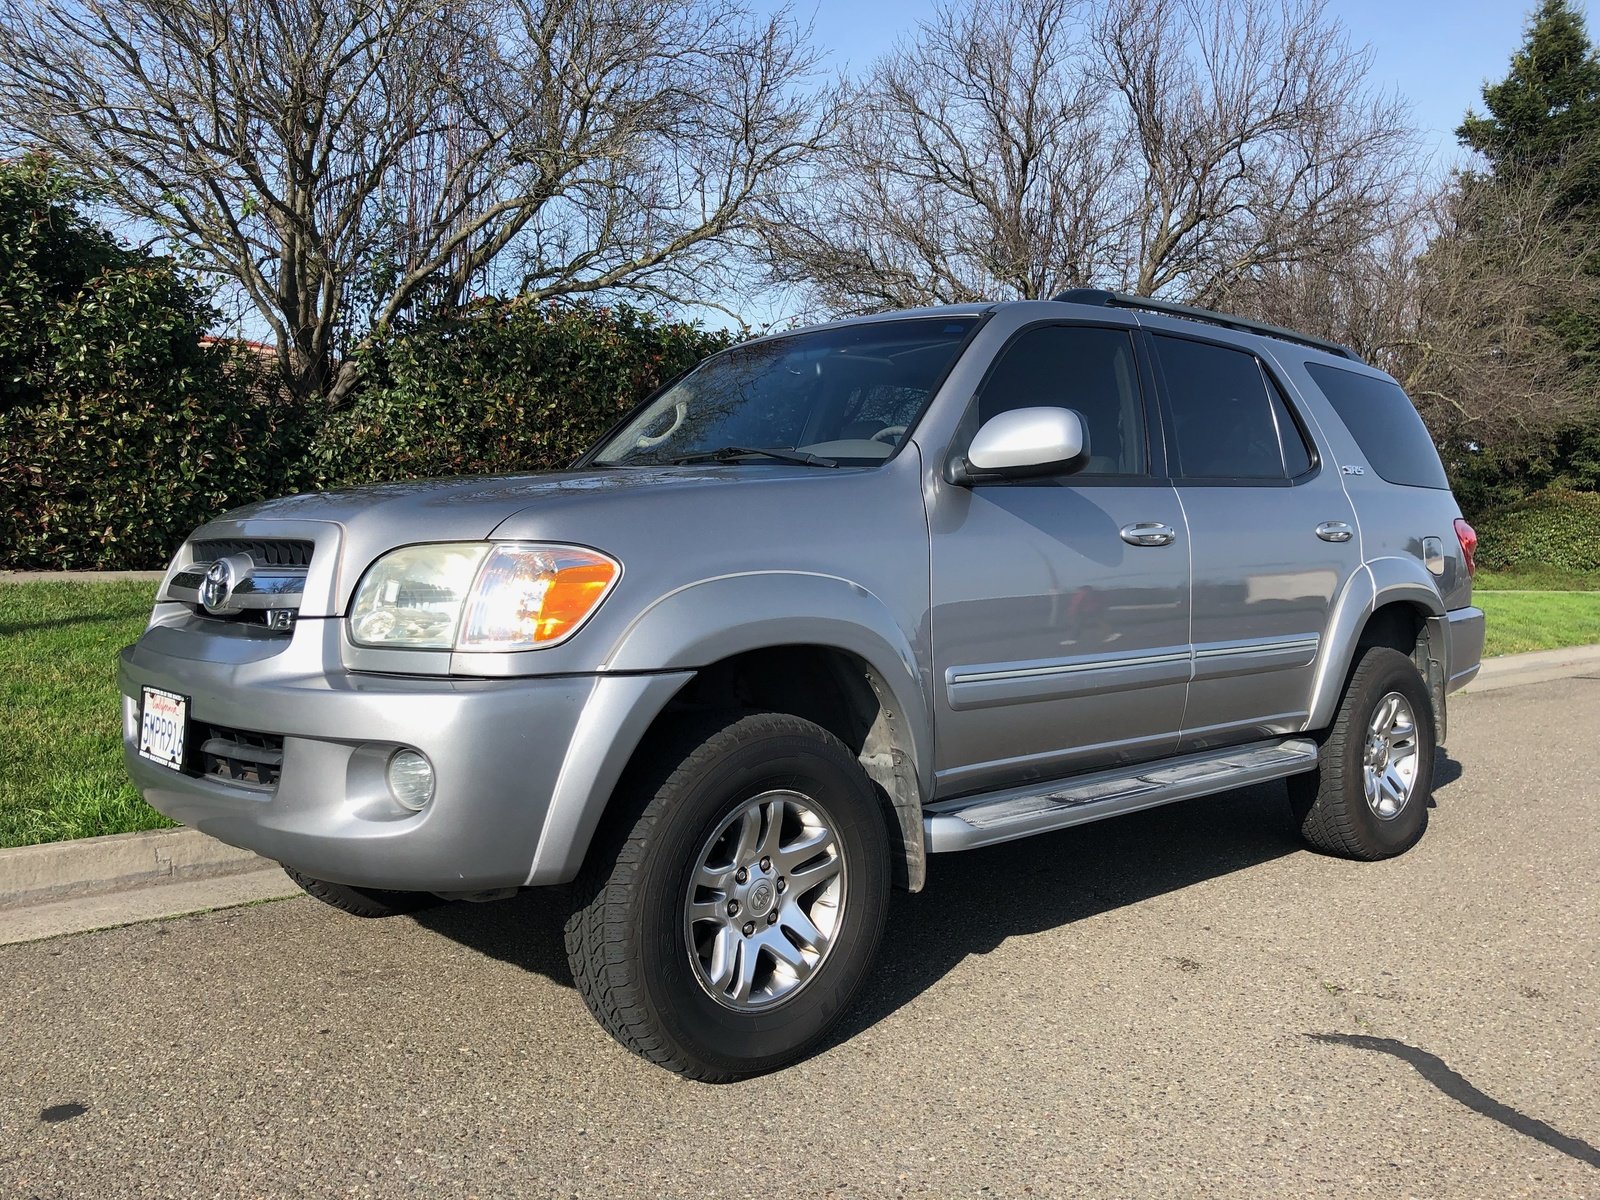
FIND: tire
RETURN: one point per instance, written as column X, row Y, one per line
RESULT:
column 363, row 902
column 658, row 964
column 1331, row 804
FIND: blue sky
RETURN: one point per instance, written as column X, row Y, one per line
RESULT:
column 1436, row 53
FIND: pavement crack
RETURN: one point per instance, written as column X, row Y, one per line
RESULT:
column 1454, row 1085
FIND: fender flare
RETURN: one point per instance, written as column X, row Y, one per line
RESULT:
column 1378, row 583
column 702, row 623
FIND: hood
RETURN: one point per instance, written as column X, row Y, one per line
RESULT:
column 583, row 506
column 468, row 507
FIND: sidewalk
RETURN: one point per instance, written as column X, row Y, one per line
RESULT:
column 79, row 576
column 71, row 887
column 1538, row 666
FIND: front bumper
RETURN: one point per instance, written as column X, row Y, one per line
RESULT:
column 497, row 747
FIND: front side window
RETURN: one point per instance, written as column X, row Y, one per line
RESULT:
column 1228, row 421
column 1092, row 371
column 849, row 395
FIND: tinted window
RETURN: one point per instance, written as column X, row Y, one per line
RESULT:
column 1090, row 370
column 1385, row 425
column 1222, row 412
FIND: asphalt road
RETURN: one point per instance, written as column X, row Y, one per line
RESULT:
column 1178, row 1003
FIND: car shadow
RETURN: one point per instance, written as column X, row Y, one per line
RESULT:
column 974, row 901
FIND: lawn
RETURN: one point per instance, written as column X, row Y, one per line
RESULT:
column 61, row 770
column 60, row 745
column 1518, row 621
column 1537, row 579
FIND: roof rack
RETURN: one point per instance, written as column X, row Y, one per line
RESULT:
column 1105, row 299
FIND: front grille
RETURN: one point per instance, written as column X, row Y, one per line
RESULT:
column 263, row 553
column 268, row 594
column 252, row 616
column 236, row 755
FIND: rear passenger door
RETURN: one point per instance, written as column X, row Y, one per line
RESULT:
column 1272, row 537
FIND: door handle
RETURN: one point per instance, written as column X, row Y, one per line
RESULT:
column 1148, row 533
column 1335, row 531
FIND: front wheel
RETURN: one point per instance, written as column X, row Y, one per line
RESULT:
column 1368, row 799
column 724, row 927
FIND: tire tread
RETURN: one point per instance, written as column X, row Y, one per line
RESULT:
column 368, row 903
column 1329, row 802
column 603, row 949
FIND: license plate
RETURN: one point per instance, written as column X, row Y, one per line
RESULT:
column 163, row 721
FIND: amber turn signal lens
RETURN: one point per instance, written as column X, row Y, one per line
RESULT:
column 529, row 595
column 574, row 592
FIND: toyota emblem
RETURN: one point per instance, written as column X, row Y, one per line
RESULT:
column 217, row 587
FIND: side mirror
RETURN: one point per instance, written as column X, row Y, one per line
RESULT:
column 1022, row 442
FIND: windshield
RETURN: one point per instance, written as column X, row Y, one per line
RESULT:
column 845, row 396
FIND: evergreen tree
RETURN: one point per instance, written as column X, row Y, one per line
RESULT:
column 1542, row 122
column 1548, row 108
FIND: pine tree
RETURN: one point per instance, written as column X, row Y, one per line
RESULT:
column 1543, row 124
column 1548, row 108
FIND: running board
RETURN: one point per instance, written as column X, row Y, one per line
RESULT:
column 1039, row 808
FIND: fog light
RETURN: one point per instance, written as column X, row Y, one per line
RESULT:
column 411, row 779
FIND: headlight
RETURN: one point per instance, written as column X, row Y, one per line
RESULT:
column 479, row 595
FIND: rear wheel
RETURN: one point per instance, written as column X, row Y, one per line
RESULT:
column 1369, row 797
column 363, row 902
column 727, row 922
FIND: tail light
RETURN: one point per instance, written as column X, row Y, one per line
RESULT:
column 1468, row 537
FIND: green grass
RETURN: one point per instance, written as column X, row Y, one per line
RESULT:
column 1538, row 621
column 1538, row 579
column 61, row 770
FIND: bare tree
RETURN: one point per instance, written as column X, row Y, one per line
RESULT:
column 1463, row 302
column 1162, row 146
column 346, row 161
column 1486, row 361
column 1367, row 297
column 970, row 163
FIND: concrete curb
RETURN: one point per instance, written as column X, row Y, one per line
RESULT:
column 1537, row 666
column 159, row 902
column 79, row 576
column 55, row 871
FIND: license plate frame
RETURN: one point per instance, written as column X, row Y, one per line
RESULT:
column 163, row 727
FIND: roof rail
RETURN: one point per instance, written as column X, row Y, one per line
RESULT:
column 1107, row 299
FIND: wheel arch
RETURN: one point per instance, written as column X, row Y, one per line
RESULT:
column 1389, row 602
column 810, row 645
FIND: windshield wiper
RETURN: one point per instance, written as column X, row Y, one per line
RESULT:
column 731, row 453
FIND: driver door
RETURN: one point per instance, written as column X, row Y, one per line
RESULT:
column 1060, row 642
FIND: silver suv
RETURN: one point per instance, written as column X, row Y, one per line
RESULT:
column 834, row 601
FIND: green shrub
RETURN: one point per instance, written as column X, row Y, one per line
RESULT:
column 119, row 430
column 122, row 430
column 502, row 386
column 1555, row 528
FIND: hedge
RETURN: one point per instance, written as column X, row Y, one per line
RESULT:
column 138, row 432
column 502, row 386
column 119, row 429
column 1555, row 527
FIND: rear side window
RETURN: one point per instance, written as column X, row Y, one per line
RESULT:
column 1228, row 421
column 1385, row 425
